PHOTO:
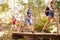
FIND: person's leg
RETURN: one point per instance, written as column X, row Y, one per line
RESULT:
column 18, row 29
column 25, row 24
column 31, row 25
column 18, row 26
column 12, row 27
column 47, row 23
column 15, row 29
column 56, row 20
column 22, row 28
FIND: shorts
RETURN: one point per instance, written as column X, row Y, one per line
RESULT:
column 28, row 21
column 50, row 14
column 12, row 26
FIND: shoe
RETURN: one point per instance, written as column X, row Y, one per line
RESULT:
column 22, row 31
column 32, row 31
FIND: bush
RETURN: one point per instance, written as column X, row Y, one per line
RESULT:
column 4, row 7
column 40, row 24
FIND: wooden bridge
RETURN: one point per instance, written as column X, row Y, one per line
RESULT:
column 34, row 36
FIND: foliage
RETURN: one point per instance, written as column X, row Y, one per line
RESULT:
column 4, row 7
column 1, row 9
column 39, row 25
column 55, row 4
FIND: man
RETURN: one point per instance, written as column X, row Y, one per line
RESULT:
column 28, row 18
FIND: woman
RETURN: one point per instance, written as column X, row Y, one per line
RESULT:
column 18, row 22
column 50, row 15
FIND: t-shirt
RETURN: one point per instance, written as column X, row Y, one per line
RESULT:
column 18, row 18
column 28, row 13
column 13, row 21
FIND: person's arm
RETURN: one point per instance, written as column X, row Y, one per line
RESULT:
column 31, row 15
column 50, row 7
column 25, row 12
column 47, row 10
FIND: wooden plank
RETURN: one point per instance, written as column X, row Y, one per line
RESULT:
column 35, row 35
column 47, row 35
column 39, row 33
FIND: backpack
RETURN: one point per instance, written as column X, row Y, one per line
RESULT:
column 46, row 13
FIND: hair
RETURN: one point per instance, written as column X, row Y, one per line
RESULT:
column 51, row 2
column 20, row 10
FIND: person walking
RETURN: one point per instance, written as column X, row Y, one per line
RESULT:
column 50, row 15
column 28, row 18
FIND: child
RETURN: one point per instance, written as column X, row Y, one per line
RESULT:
column 13, row 22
